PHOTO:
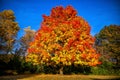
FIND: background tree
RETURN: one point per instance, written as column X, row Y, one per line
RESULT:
column 63, row 39
column 108, row 43
column 8, row 31
column 25, row 41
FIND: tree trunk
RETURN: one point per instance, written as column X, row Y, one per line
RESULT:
column 61, row 71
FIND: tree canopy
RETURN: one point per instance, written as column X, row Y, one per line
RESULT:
column 25, row 40
column 64, row 38
column 8, row 31
column 108, row 42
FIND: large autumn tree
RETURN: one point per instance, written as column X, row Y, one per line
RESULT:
column 108, row 43
column 63, row 39
column 8, row 31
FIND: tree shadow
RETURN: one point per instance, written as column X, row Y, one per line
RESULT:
column 16, row 77
column 114, row 78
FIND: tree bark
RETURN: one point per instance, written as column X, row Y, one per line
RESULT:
column 61, row 71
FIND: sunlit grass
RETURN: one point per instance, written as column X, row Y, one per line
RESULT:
column 59, row 77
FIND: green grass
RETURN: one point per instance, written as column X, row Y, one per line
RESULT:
column 59, row 77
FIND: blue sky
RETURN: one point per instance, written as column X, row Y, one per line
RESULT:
column 97, row 13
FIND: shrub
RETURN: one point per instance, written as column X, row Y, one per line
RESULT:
column 107, row 68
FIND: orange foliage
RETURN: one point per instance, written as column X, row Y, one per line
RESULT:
column 64, row 38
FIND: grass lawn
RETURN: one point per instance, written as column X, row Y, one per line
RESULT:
column 59, row 77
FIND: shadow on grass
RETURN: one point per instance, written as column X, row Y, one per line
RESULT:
column 15, row 77
column 106, row 79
